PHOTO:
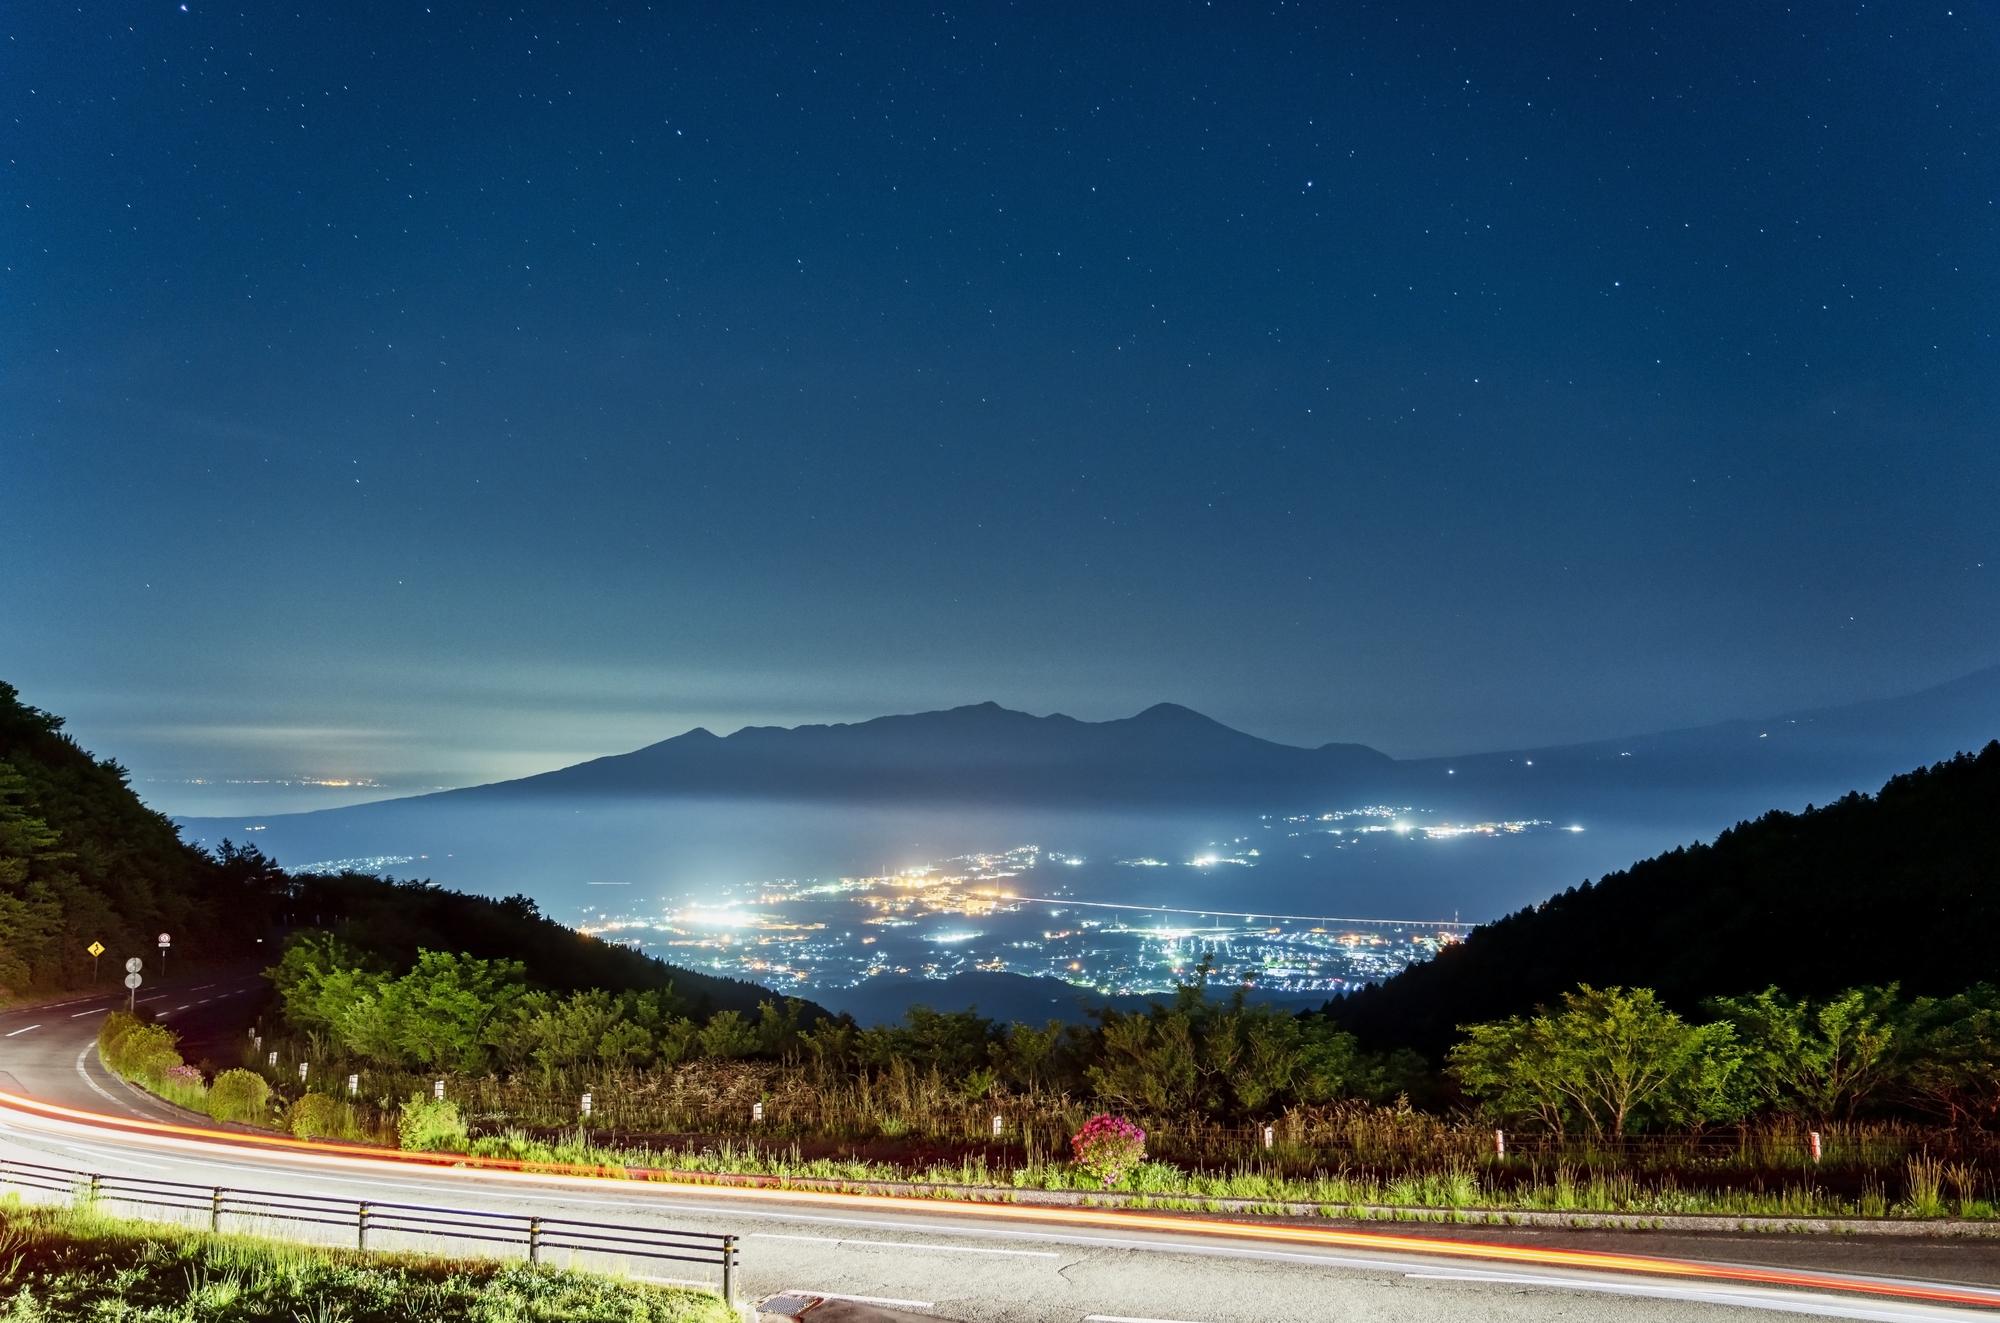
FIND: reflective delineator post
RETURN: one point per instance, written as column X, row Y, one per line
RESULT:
column 361, row 1225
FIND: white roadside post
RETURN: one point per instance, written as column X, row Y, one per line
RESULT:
column 586, row 1106
column 996, row 1125
column 1270, row 1135
column 757, row 1112
column 302, row 1072
column 166, row 940
column 353, row 1085
column 437, row 1091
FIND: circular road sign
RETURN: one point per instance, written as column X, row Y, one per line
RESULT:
column 134, row 965
column 166, row 940
column 133, row 980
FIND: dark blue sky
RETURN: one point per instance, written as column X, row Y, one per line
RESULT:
column 443, row 394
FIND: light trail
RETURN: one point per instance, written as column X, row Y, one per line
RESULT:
column 1245, row 914
column 476, row 1170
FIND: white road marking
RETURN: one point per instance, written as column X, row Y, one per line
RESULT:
column 1127, row 1318
column 203, row 988
column 18, row 1032
column 89, row 1152
column 99, row 1011
column 1772, row 1301
column 181, row 1007
column 862, row 1299
column 904, row 1244
column 95, row 1088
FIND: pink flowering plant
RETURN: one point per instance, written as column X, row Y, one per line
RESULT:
column 1108, row 1146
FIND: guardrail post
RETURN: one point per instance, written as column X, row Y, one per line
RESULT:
column 90, row 1180
column 534, row 1240
column 215, row 1209
column 361, row 1225
column 729, row 1270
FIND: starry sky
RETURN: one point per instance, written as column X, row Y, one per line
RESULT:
column 437, row 394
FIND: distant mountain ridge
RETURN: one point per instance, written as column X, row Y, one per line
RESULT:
column 1170, row 755
column 981, row 750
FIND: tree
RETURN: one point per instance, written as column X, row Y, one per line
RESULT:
column 1610, row 1058
column 727, row 1037
column 1952, row 1066
column 1817, row 1060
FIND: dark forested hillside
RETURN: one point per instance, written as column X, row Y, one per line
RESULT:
column 1902, row 887
column 395, row 920
column 82, row 860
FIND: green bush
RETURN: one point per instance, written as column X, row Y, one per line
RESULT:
column 136, row 1050
column 239, row 1095
column 322, row 1116
column 431, row 1125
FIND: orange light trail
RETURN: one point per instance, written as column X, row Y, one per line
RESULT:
column 768, row 1189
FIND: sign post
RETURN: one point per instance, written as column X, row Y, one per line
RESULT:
column 96, row 949
column 132, row 982
column 166, row 940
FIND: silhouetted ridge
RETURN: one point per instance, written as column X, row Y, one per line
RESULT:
column 1902, row 887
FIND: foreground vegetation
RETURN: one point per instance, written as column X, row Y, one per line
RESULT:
column 60, row 1264
column 1705, row 1093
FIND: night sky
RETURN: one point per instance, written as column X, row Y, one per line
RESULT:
column 443, row 394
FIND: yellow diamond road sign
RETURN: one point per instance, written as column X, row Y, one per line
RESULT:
column 95, row 948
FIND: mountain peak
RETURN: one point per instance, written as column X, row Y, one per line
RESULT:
column 1175, row 714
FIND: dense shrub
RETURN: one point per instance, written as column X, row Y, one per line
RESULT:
column 322, row 1116
column 239, row 1095
column 431, row 1125
column 1108, row 1146
column 139, row 1051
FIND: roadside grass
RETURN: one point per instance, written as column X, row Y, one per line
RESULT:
column 1342, row 1159
column 58, row 1264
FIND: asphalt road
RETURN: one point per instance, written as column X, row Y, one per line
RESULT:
column 956, row 1261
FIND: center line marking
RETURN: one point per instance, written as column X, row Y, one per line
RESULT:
column 23, row 1031
column 99, row 1011
column 904, row 1244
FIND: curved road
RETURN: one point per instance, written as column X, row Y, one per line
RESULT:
column 1002, row 1262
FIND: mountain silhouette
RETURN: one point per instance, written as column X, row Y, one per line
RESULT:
column 1170, row 755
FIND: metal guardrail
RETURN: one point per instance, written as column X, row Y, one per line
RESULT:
column 373, row 1217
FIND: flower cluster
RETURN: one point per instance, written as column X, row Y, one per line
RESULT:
column 1108, row 1146
column 185, row 1075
